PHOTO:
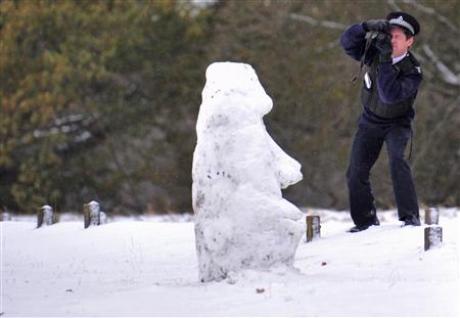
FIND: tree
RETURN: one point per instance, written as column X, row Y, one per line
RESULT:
column 96, row 100
column 99, row 99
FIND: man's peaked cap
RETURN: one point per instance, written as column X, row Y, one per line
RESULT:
column 405, row 21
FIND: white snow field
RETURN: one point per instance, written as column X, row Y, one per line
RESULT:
column 149, row 268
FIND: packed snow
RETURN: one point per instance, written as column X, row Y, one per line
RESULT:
column 150, row 268
column 242, row 220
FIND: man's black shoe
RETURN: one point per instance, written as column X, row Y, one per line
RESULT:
column 411, row 220
column 356, row 228
column 376, row 221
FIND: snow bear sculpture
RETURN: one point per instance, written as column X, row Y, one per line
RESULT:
column 241, row 218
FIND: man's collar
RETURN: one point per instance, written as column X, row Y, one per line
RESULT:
column 399, row 58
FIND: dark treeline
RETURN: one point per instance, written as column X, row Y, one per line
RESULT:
column 99, row 99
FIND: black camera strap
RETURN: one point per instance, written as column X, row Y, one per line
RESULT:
column 370, row 36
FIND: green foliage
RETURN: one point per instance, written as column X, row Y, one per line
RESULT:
column 78, row 78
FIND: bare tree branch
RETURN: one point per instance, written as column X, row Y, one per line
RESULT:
column 315, row 22
column 446, row 74
column 428, row 143
column 431, row 11
column 393, row 5
column 328, row 46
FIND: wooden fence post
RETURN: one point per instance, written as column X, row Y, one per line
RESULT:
column 433, row 237
column 313, row 227
column 431, row 216
column 45, row 216
column 93, row 214
column 5, row 216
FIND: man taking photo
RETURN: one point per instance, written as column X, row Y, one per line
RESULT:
column 390, row 84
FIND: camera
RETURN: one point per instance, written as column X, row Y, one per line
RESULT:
column 374, row 36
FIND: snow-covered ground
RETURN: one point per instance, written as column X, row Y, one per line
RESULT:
column 149, row 268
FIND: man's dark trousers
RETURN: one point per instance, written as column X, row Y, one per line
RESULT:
column 368, row 142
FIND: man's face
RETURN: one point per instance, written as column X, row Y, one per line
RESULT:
column 399, row 41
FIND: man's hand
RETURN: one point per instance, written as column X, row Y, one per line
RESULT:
column 383, row 44
column 380, row 25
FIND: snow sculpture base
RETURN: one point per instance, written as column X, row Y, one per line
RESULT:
column 241, row 218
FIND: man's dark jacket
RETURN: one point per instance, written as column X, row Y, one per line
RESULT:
column 393, row 85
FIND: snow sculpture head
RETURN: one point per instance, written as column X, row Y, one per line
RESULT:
column 225, row 79
column 241, row 218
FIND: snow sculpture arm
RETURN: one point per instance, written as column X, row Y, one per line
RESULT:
column 287, row 168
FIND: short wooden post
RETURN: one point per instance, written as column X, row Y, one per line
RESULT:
column 313, row 227
column 45, row 216
column 86, row 215
column 93, row 214
column 431, row 216
column 5, row 216
column 433, row 237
